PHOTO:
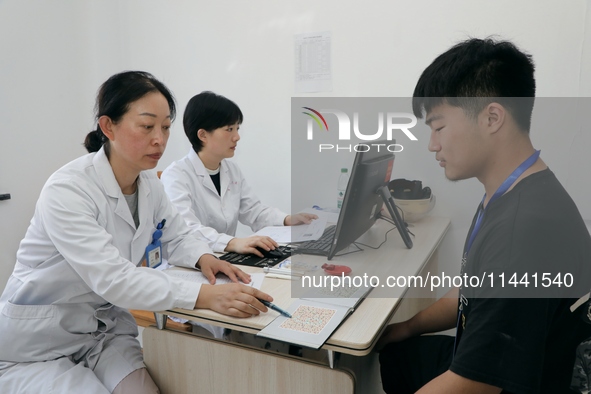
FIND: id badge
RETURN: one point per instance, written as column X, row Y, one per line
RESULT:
column 154, row 255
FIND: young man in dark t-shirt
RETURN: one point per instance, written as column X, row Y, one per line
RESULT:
column 478, row 99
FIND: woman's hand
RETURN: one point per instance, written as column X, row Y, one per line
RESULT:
column 300, row 218
column 232, row 299
column 249, row 245
column 211, row 265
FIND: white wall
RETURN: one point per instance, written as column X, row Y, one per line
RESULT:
column 56, row 54
column 46, row 99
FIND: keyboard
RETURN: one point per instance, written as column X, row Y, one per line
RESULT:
column 256, row 261
column 320, row 247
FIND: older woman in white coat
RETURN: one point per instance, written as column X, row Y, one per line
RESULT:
column 64, row 323
column 209, row 191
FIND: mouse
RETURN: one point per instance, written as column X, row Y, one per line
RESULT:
column 269, row 254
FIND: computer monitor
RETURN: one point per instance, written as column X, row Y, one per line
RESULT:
column 367, row 191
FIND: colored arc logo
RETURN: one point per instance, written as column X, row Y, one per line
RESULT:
column 316, row 117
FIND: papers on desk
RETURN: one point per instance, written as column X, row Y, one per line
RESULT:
column 310, row 325
column 289, row 270
column 344, row 296
column 315, row 319
column 289, row 234
column 330, row 214
column 220, row 279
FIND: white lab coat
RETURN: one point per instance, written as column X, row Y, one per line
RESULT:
column 77, row 267
column 214, row 218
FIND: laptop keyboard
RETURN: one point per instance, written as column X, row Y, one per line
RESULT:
column 320, row 247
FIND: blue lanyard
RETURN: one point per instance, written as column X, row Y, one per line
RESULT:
column 158, row 233
column 500, row 191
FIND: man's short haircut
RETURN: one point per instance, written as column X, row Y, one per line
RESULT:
column 475, row 73
column 209, row 111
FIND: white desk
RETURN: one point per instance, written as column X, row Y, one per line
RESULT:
column 181, row 362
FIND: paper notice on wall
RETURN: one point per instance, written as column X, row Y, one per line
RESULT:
column 313, row 63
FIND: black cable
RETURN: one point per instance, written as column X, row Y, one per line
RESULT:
column 374, row 247
column 384, row 218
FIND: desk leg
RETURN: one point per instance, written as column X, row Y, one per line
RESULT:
column 333, row 358
column 160, row 320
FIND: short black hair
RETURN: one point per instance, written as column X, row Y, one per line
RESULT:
column 117, row 94
column 209, row 111
column 476, row 72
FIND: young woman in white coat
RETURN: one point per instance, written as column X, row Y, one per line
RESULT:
column 209, row 191
column 64, row 323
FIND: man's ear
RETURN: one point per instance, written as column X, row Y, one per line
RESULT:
column 495, row 115
column 106, row 125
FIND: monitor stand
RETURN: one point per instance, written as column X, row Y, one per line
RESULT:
column 389, row 202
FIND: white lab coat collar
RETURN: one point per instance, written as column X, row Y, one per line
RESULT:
column 105, row 173
column 112, row 189
column 204, row 177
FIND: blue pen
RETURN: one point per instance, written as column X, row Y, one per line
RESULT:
column 275, row 307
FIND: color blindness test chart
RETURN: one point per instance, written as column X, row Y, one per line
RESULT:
column 308, row 319
column 311, row 324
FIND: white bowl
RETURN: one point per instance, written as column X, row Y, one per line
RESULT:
column 415, row 210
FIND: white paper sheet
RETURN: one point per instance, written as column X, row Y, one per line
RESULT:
column 330, row 214
column 288, row 234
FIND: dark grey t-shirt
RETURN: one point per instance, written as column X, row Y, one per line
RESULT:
column 506, row 336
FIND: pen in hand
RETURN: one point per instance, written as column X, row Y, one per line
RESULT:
column 275, row 308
